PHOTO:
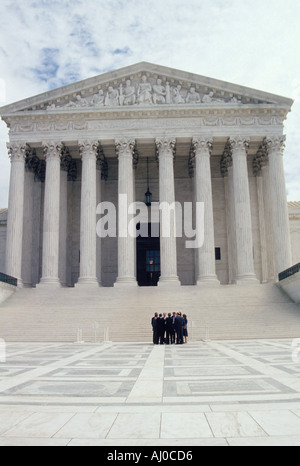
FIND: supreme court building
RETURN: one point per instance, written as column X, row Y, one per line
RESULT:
column 156, row 135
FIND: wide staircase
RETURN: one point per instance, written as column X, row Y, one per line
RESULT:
column 115, row 314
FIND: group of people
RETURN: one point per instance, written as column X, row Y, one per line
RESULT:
column 169, row 329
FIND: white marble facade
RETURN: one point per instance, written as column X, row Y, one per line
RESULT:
column 205, row 140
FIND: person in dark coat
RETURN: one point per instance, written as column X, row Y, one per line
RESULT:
column 161, row 329
column 185, row 329
column 173, row 339
column 179, row 324
column 169, row 329
column 154, row 323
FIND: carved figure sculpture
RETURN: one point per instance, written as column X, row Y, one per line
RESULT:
column 208, row 98
column 193, row 97
column 98, row 99
column 177, row 97
column 112, row 97
column 159, row 93
column 129, row 97
column 144, row 92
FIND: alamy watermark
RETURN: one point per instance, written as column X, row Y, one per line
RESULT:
column 167, row 220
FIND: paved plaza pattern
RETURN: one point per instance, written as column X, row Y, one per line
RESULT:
column 206, row 393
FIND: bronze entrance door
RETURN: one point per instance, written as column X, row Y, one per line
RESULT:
column 148, row 260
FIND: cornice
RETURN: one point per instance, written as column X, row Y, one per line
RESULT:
column 184, row 111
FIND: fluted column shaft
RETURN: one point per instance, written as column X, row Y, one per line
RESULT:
column 50, row 262
column 203, row 186
column 126, row 241
column 15, row 213
column 282, row 242
column 268, row 221
column 244, row 238
column 168, row 248
column 88, row 238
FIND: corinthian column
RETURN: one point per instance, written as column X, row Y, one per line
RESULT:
column 206, row 254
column 52, row 153
column 282, row 242
column 243, row 224
column 126, row 242
column 88, row 237
column 168, row 250
column 15, row 212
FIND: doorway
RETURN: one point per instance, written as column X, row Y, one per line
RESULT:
column 148, row 258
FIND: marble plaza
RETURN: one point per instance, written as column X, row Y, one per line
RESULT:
column 213, row 393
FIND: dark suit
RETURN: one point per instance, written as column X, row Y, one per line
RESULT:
column 169, row 330
column 179, row 323
column 154, row 323
column 161, row 330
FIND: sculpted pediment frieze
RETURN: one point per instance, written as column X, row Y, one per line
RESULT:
column 146, row 86
column 147, row 90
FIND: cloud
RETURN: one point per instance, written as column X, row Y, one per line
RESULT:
column 50, row 43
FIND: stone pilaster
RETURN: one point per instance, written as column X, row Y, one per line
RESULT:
column 168, row 249
column 88, row 235
column 282, row 242
column 243, row 224
column 125, row 149
column 52, row 152
column 15, row 212
column 203, row 186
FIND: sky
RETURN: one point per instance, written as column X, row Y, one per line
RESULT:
column 45, row 44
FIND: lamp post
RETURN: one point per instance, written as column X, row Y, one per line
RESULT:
column 148, row 194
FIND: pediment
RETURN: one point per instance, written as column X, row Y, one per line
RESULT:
column 144, row 85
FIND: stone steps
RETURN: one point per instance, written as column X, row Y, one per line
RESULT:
column 232, row 312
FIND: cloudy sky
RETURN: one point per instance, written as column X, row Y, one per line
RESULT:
column 45, row 44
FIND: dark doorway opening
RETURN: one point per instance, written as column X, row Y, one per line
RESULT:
column 148, row 257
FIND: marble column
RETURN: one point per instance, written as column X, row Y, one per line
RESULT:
column 99, row 242
column 242, row 206
column 28, row 224
column 168, row 248
column 63, row 223
column 282, row 242
column 15, row 212
column 268, row 220
column 262, row 227
column 88, row 235
column 126, row 242
column 203, row 186
column 52, row 151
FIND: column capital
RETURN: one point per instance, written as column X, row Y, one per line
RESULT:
column 88, row 149
column 165, row 146
column 52, row 150
column 202, row 145
column 125, row 147
column 17, row 152
column 275, row 144
column 239, row 145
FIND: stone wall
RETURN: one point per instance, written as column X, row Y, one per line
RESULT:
column 3, row 220
column 294, row 215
